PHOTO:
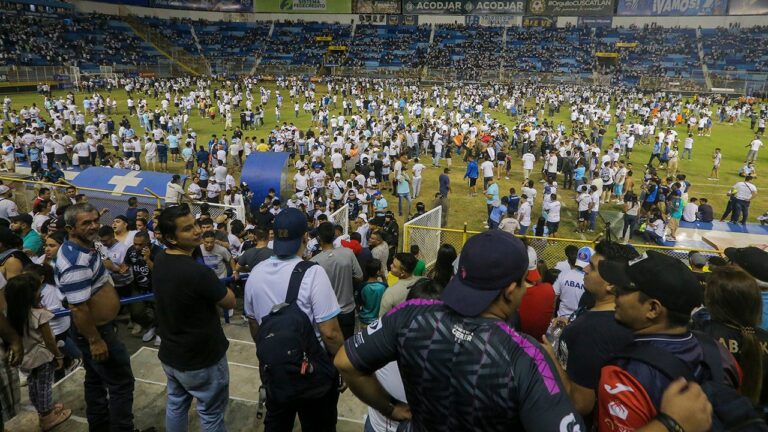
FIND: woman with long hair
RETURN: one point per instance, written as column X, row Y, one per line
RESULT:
column 733, row 302
column 442, row 271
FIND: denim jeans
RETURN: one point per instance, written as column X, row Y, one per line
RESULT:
column 740, row 208
column 108, row 386
column 407, row 197
column 210, row 386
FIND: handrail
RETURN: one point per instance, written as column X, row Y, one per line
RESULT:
column 58, row 313
column 66, row 184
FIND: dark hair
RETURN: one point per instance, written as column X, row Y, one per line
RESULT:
column 106, row 230
column 571, row 252
column 615, row 251
column 20, row 295
column 424, row 288
column 734, row 299
column 442, row 271
column 209, row 234
column 415, row 249
column 325, row 233
column 372, row 267
column 407, row 260
column 166, row 222
column 355, row 236
column 9, row 239
column 58, row 236
column 43, row 272
column 141, row 234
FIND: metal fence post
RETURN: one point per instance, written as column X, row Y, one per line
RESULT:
column 464, row 236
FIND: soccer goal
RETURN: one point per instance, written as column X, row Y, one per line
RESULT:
column 424, row 231
column 341, row 217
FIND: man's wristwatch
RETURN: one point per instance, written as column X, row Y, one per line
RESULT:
column 671, row 424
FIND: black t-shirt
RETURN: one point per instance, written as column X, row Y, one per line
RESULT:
column 465, row 373
column 252, row 257
column 142, row 274
column 589, row 342
column 706, row 214
column 186, row 294
column 733, row 341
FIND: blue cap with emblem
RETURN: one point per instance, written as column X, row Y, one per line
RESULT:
column 290, row 226
column 583, row 256
column 490, row 262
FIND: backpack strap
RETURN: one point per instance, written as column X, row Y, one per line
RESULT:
column 711, row 356
column 661, row 360
column 295, row 282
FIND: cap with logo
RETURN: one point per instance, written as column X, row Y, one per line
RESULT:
column 583, row 256
column 289, row 226
column 661, row 277
column 489, row 262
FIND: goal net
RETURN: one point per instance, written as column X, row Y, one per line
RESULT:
column 341, row 217
column 424, row 231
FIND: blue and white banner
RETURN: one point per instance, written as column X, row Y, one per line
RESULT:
column 491, row 20
column 671, row 7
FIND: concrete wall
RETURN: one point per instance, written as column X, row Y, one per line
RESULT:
column 692, row 22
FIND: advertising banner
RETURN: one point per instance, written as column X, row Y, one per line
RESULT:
column 206, row 5
column 540, row 21
column 376, row 6
column 571, row 7
column 464, row 7
column 304, row 6
column 490, row 20
column 671, row 7
column 606, row 21
column 748, row 7
column 144, row 3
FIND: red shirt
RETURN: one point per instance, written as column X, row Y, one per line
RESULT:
column 536, row 309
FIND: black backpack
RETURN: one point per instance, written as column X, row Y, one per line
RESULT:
column 292, row 363
column 731, row 411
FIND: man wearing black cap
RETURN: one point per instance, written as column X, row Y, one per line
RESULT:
column 267, row 286
column 463, row 367
column 655, row 295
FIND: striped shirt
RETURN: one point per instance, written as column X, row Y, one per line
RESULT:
column 79, row 272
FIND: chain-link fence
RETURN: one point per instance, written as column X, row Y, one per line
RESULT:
column 425, row 232
column 341, row 217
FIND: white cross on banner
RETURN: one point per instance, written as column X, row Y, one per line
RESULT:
column 122, row 182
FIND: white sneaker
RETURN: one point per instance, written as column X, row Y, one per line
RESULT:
column 157, row 341
column 149, row 335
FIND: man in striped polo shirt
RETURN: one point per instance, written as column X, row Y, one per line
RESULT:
column 93, row 300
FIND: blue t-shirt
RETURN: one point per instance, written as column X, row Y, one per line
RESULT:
column 173, row 141
column 498, row 212
column 445, row 184
column 764, row 325
column 493, row 190
column 578, row 173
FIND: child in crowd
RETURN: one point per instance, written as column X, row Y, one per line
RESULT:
column 371, row 292
column 41, row 354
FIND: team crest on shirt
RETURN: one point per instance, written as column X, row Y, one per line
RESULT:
column 374, row 327
column 569, row 424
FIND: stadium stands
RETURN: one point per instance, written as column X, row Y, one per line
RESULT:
column 90, row 40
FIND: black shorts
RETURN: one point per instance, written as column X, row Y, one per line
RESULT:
column 163, row 158
column 607, row 187
column 584, row 215
column 647, row 205
column 189, row 165
column 553, row 226
column 472, row 181
column 174, row 150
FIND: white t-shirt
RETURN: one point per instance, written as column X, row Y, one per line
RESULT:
column 173, row 193
column 195, row 191
column 301, row 181
column 569, row 285
column 584, row 199
column 487, row 168
column 524, row 214
column 528, row 160
column 689, row 212
column 744, row 190
column 337, row 160
column 553, row 211
column 220, row 174
column 417, row 169
column 316, row 297
column 51, row 299
column 755, row 145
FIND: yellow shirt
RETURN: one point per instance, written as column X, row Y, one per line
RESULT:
column 262, row 148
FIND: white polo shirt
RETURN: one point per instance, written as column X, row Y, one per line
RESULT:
column 744, row 190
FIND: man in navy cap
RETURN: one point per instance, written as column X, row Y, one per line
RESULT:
column 463, row 367
column 267, row 286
